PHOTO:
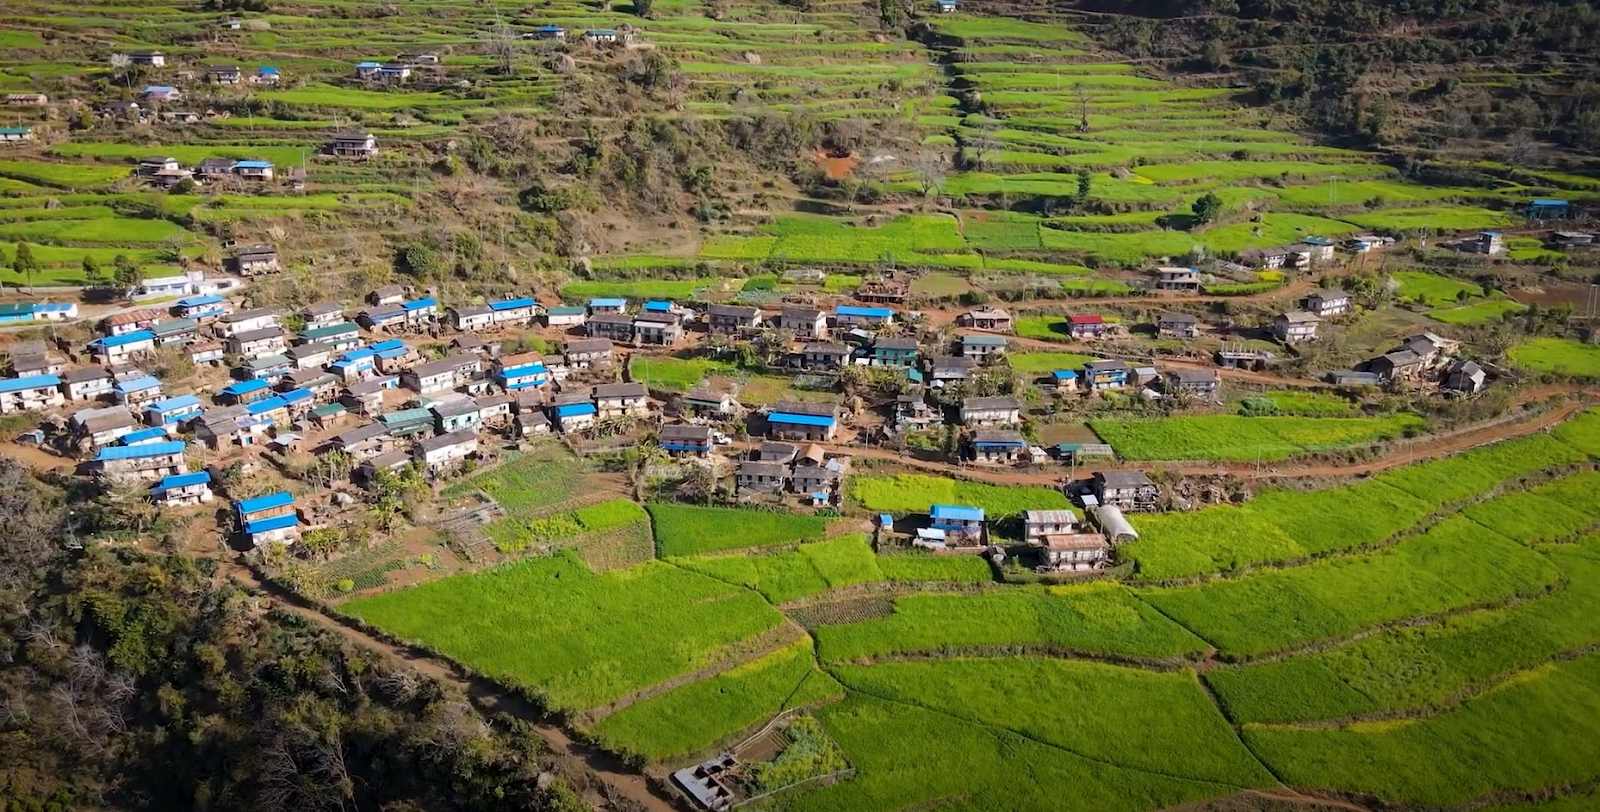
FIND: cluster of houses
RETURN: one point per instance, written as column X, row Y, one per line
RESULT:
column 1418, row 358
column 593, row 36
column 397, row 72
column 166, row 172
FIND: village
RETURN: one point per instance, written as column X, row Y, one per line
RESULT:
column 401, row 382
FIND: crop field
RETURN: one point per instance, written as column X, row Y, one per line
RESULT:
column 1103, row 619
column 1555, row 511
column 1484, row 312
column 1422, row 667
column 1454, row 565
column 1307, row 403
column 1558, row 356
column 1434, row 290
column 687, row 530
column 823, row 565
column 1042, row 363
column 1141, row 708
column 1553, row 711
column 914, row 493
column 1233, row 437
column 533, row 624
column 1285, row 525
column 699, row 714
column 673, row 374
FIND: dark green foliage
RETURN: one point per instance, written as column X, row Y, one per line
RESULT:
column 1207, row 208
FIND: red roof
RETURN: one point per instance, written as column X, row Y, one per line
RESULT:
column 1086, row 320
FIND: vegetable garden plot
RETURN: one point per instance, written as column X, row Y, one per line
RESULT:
column 833, row 564
column 688, row 530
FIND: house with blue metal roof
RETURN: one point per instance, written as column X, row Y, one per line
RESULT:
column 420, row 311
column 853, row 316
column 957, row 522
column 135, row 391
column 518, row 311
column 264, row 507
column 123, row 348
column 173, row 410
column 246, row 391
column 182, row 490
column 573, row 416
column 149, row 462
column 253, row 170
column 30, row 393
column 1000, row 446
column 54, row 311
column 550, row 32
column 208, row 306
column 283, row 529
column 143, row 436
column 521, row 371
column 596, row 36
column 607, row 305
column 796, row 420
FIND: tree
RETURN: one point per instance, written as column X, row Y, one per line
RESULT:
column 642, row 7
column 121, row 65
column 1085, row 186
column 92, row 273
column 1207, row 208
column 322, row 542
column 24, row 263
column 128, row 274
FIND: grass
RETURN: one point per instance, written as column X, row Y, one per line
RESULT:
column 641, row 289
column 1558, row 356
column 1161, row 722
column 1307, row 403
column 1100, row 618
column 1233, row 437
column 1422, row 667
column 1555, row 511
column 820, row 566
column 1434, row 290
column 674, row 374
column 1479, row 313
column 1553, row 711
column 688, row 530
column 901, row 753
column 1454, row 565
column 693, row 717
column 65, row 176
column 915, row 493
column 575, row 638
column 1040, row 363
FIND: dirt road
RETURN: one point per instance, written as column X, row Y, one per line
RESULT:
column 488, row 696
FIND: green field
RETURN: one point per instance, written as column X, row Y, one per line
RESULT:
column 533, row 624
column 915, row 493
column 1434, row 290
column 1558, row 356
column 673, row 374
column 689, row 530
column 833, row 564
column 1232, row 437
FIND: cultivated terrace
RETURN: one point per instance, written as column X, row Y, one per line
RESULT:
column 803, row 407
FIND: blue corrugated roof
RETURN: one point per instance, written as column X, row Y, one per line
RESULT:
column 535, row 368
column 267, row 69
column 800, row 419
column 268, row 502
column 886, row 520
column 366, row 64
column 137, row 385
column 30, row 382
column 53, row 307
column 123, row 340
column 182, row 481
column 386, row 345
column 418, row 304
column 265, row 405
column 608, row 302
column 960, row 513
column 551, row 28
column 296, row 395
column 244, row 387
column 140, row 436
column 512, row 304
column 1064, row 374
column 658, row 307
column 173, row 404
column 253, row 165
column 575, row 409
column 864, row 312
column 198, row 301
column 1001, row 444
column 271, row 523
column 1549, row 201
column 134, row 452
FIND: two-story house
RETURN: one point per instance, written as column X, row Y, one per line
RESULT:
column 991, row 411
column 725, row 319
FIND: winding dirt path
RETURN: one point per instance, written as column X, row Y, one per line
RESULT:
column 491, row 698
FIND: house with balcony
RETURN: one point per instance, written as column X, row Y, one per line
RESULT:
column 824, row 355
column 245, row 321
column 588, row 353
column 1130, row 491
column 323, row 314
column 88, row 383
column 202, row 309
column 807, row 324
column 1327, row 303
column 1106, row 374
column 519, row 311
column 182, row 490
column 337, row 337
column 982, row 348
column 732, row 320
column 1182, row 280
column 895, row 352
column 255, row 260
column 991, row 411
column 1178, row 325
column 1086, row 326
column 32, row 393
column 1295, row 326
column 999, row 446
column 658, row 329
column 148, row 462
column 610, row 326
column 470, row 318
column 572, row 416
column 797, row 420
column 258, row 343
column 992, row 319
column 621, row 399
column 446, row 452
column 869, row 318
column 122, row 349
column 520, row 371
column 962, row 525
column 1199, row 383
column 679, row 440
column 571, row 316
column 243, row 392
column 755, row 476
column 172, row 411
column 353, row 145
column 442, row 375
